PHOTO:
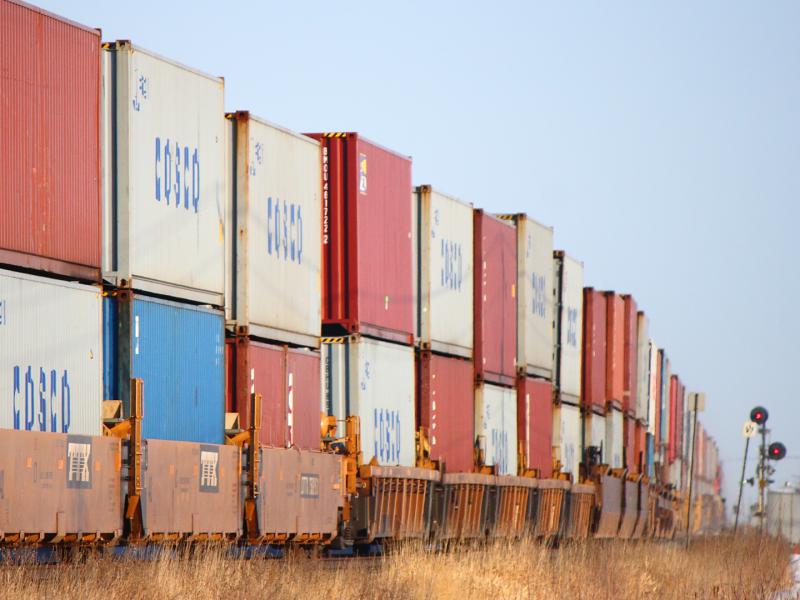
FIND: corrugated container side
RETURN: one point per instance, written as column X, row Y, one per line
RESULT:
column 615, row 349
column 673, row 414
column 49, row 143
column 178, row 350
column 652, row 388
column 496, row 426
column 651, row 445
column 169, row 196
column 614, row 439
column 445, row 392
column 594, row 350
column 444, row 267
column 366, row 238
column 631, row 357
column 595, row 433
column 277, row 247
column 535, row 423
column 51, row 355
column 657, row 400
column 629, row 450
column 680, row 415
column 567, row 444
column 664, row 399
column 643, row 368
column 373, row 380
column 495, row 304
column 567, row 350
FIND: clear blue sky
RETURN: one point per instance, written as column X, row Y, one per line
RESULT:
column 661, row 142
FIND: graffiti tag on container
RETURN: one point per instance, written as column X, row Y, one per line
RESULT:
column 284, row 230
column 177, row 174
column 387, row 435
column 45, row 402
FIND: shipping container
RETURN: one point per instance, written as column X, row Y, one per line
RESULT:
column 288, row 380
column 640, row 448
column 49, row 143
column 372, row 380
column 594, row 350
column 643, row 368
column 594, row 435
column 534, row 295
column 630, row 458
column 51, row 355
column 568, row 309
column 663, row 383
column 444, row 272
column 650, row 443
column 614, row 439
column 166, row 199
column 673, row 414
column 178, row 351
column 496, row 427
column 445, row 395
column 615, row 350
column 495, row 307
column 654, row 410
column 366, row 238
column 535, row 423
column 631, row 357
column 277, row 219
column 567, row 445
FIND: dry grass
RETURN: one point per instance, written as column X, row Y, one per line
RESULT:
column 747, row 568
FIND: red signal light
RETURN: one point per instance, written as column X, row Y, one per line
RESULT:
column 759, row 415
column 776, row 451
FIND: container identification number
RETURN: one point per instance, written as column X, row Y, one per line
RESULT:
column 387, row 435
column 40, row 408
column 177, row 174
column 284, row 230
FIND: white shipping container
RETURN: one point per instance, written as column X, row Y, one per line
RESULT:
column 535, row 277
column 51, row 355
column 277, row 249
column 569, row 325
column 444, row 262
column 642, row 367
column 595, row 428
column 373, row 380
column 165, row 208
column 653, row 390
column 612, row 453
column 496, row 426
column 567, row 438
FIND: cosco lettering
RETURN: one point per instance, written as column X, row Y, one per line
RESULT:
column 177, row 174
column 43, row 407
column 284, row 230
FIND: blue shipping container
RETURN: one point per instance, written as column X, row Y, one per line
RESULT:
column 110, row 387
column 651, row 471
column 179, row 352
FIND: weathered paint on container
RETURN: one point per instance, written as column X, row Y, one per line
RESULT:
column 615, row 350
column 595, row 434
column 51, row 355
column 496, row 427
column 535, row 280
column 643, row 368
column 594, row 350
column 535, row 423
column 49, row 143
column 445, row 394
column 629, row 444
column 495, row 303
column 191, row 489
column 288, row 380
column 373, row 380
column 366, row 238
column 277, row 249
column 568, row 308
column 301, row 495
column 567, row 444
column 166, row 205
column 56, row 485
column 631, row 356
column 444, row 269
column 614, row 439
column 178, row 350
column 653, row 410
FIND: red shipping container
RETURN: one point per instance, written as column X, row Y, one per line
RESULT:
column 631, row 358
column 495, row 303
column 673, row 414
column 366, row 238
column 640, row 448
column 629, row 442
column 288, row 380
column 594, row 350
column 49, row 143
column 615, row 349
column 535, row 423
column 445, row 398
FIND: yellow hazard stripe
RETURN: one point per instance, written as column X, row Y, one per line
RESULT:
column 333, row 340
column 338, row 134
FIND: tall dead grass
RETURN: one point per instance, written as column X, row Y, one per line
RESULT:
column 748, row 567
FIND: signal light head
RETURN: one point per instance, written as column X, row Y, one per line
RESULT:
column 776, row 451
column 759, row 415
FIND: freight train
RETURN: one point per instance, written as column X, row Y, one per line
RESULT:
column 216, row 329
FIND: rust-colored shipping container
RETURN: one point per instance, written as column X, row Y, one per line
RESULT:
column 535, row 423
column 615, row 349
column 631, row 356
column 367, row 284
column 288, row 380
column 629, row 441
column 191, row 490
column 680, row 415
column 49, row 143
column 640, row 448
column 445, row 397
column 594, row 350
column 495, row 304
column 57, row 487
